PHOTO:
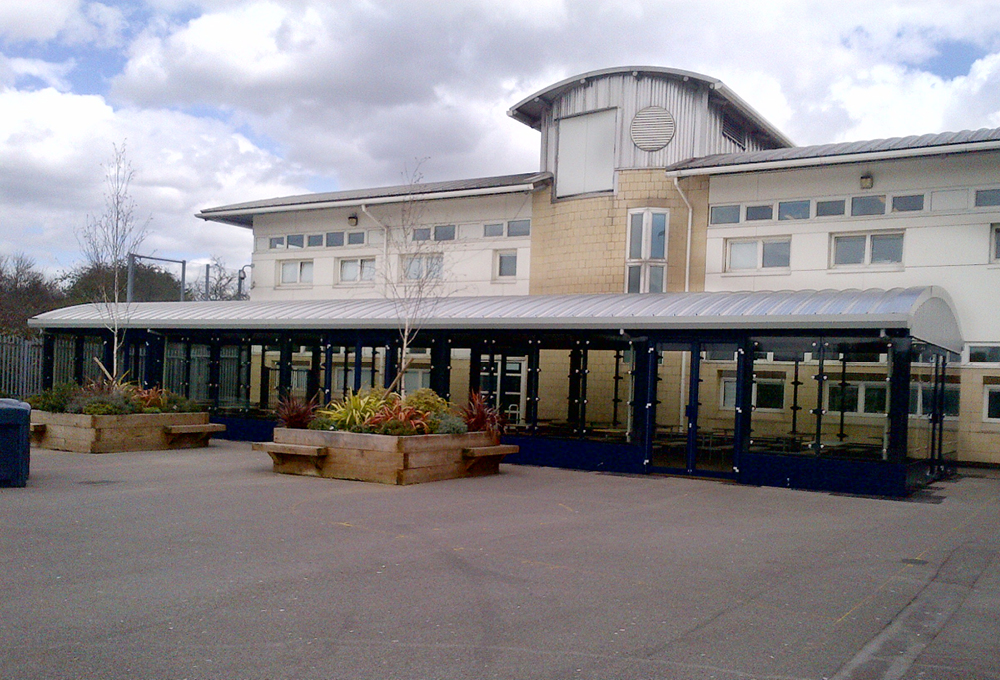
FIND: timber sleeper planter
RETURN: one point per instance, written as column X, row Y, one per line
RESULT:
column 110, row 434
column 384, row 458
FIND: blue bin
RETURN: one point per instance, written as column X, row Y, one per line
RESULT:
column 15, row 442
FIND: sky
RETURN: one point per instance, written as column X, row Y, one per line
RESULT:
column 225, row 101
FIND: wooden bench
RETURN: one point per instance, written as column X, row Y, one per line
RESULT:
column 486, row 451
column 198, row 431
column 293, row 458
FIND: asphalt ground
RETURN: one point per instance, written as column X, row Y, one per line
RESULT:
column 204, row 564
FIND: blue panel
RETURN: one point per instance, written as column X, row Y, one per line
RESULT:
column 872, row 478
column 577, row 454
column 245, row 429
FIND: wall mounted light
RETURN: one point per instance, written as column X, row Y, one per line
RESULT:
column 352, row 220
column 867, row 181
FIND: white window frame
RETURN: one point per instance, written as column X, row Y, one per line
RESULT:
column 867, row 262
column 862, row 386
column 497, row 255
column 923, row 413
column 890, row 208
column 301, row 266
column 760, row 254
column 721, row 206
column 975, row 195
column 361, row 280
column 967, row 355
column 987, row 390
column 434, row 273
column 831, row 199
column 995, row 243
column 760, row 204
column 646, row 262
column 753, row 394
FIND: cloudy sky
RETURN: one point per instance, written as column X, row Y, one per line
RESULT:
column 223, row 101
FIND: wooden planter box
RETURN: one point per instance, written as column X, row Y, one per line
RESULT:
column 384, row 458
column 109, row 434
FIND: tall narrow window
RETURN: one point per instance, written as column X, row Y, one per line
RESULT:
column 646, row 256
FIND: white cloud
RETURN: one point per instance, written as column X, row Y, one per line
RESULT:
column 16, row 70
column 35, row 19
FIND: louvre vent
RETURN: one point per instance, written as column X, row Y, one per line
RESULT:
column 652, row 128
column 734, row 131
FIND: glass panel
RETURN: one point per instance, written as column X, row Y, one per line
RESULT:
column 770, row 395
column 658, row 238
column 491, row 230
column 776, row 253
column 444, row 232
column 848, row 403
column 951, row 400
column 296, row 241
column 655, row 279
column 289, row 272
column 422, row 234
column 434, row 265
column 996, row 242
column 830, row 208
column 314, row 240
column 356, row 238
column 367, row 269
column 725, row 214
column 760, row 212
column 987, row 197
column 849, row 249
column 993, row 403
column 276, row 242
column 793, row 210
column 887, row 248
column 507, row 264
column 728, row 393
column 334, row 239
column 868, row 205
column 519, row 228
column 743, row 255
column 635, row 237
column 635, row 279
column 306, row 272
column 875, row 398
column 981, row 354
column 348, row 270
column 413, row 267
column 907, row 203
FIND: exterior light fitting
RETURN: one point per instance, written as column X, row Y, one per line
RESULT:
column 352, row 220
column 867, row 181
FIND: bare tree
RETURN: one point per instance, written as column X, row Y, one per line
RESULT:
column 107, row 239
column 222, row 283
column 24, row 292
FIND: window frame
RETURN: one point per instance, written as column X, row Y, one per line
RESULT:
column 508, row 230
column 988, row 191
column 968, row 354
column 839, row 199
column 987, row 390
column 361, row 280
column 862, row 386
column 866, row 262
column 645, row 264
column 771, row 212
column 498, row 256
column 406, row 261
column 809, row 209
column 995, row 243
column 300, row 267
column 726, row 206
column 891, row 208
column 724, row 380
column 760, row 241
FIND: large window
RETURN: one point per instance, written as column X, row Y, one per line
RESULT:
column 357, row 269
column 867, row 249
column 858, row 397
column 922, row 400
column 296, row 271
column 646, row 259
column 423, row 266
column 756, row 254
column 768, row 394
column 585, row 160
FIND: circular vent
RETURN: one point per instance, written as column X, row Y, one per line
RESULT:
column 652, row 128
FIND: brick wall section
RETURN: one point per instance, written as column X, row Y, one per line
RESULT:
column 578, row 245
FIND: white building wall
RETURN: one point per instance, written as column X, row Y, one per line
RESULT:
column 946, row 244
column 469, row 261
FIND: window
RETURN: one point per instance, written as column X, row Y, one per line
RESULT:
column 984, row 354
column 987, row 197
column 296, row 271
column 355, row 238
column 276, row 242
column 314, row 240
column 424, row 266
column 334, row 239
column 862, row 249
column 830, row 208
column 646, row 259
column 867, row 205
column 858, row 397
column 296, row 241
column 922, row 400
column 357, row 269
column 492, row 230
column 519, row 228
column 759, row 254
column 724, row 214
column 760, row 212
column 767, row 394
column 506, row 263
column 794, row 210
column 995, row 242
column 422, row 234
column 585, row 158
column 908, row 203
column 991, row 402
column 444, row 232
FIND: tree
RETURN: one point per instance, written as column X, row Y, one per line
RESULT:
column 107, row 239
column 24, row 292
column 150, row 284
column 222, row 283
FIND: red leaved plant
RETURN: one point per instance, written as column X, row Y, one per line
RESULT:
column 396, row 418
column 295, row 413
column 481, row 417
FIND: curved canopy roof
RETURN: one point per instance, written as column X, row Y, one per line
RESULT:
column 926, row 312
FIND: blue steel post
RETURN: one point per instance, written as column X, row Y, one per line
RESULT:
column 441, row 366
column 214, row 370
column 694, row 385
column 358, row 363
column 78, row 348
column 900, row 353
column 744, row 402
column 48, row 360
column 531, row 398
column 327, row 369
column 285, row 366
column 391, row 364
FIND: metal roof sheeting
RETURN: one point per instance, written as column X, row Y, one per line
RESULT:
column 926, row 311
column 824, row 152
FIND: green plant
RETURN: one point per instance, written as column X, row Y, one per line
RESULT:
column 427, row 400
column 351, row 413
column 55, row 399
column 400, row 419
column 321, row 423
column 151, row 397
column 107, row 404
column 448, row 423
column 481, row 417
column 295, row 413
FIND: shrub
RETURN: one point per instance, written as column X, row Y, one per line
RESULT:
column 351, row 413
column 295, row 413
column 175, row 403
column 321, row 423
column 398, row 418
column 55, row 399
column 481, row 417
column 428, row 401
column 448, row 423
column 102, row 404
